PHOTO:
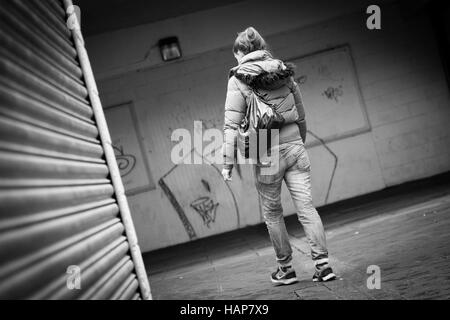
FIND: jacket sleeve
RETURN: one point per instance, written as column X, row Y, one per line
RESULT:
column 301, row 122
column 235, row 107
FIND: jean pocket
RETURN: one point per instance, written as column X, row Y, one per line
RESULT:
column 303, row 162
column 266, row 175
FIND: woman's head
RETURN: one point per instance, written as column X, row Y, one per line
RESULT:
column 248, row 41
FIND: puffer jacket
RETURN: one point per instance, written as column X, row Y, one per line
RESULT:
column 274, row 81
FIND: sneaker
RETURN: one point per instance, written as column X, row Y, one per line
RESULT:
column 284, row 275
column 323, row 274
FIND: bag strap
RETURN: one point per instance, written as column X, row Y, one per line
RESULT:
column 267, row 102
column 249, row 109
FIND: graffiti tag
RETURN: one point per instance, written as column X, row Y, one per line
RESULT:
column 125, row 162
column 206, row 208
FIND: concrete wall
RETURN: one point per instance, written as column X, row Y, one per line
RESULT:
column 402, row 87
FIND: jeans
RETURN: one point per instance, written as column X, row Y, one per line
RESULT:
column 295, row 168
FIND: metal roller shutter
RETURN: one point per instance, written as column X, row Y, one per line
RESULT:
column 62, row 202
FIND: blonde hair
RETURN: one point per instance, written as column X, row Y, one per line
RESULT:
column 248, row 41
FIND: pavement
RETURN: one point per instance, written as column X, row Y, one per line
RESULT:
column 402, row 231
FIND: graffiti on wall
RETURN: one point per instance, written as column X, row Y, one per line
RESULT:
column 206, row 208
column 125, row 162
column 203, row 201
column 128, row 149
column 331, row 94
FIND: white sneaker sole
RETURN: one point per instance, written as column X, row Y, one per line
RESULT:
column 328, row 277
column 288, row 281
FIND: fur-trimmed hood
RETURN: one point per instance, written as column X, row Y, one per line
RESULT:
column 259, row 69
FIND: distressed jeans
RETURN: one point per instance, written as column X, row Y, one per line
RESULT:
column 295, row 169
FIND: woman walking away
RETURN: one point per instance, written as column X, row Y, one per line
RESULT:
column 258, row 71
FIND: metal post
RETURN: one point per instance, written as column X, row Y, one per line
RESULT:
column 109, row 152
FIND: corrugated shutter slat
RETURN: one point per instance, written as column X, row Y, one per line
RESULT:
column 94, row 267
column 33, row 39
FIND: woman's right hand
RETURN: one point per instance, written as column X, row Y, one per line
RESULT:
column 226, row 174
